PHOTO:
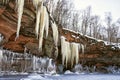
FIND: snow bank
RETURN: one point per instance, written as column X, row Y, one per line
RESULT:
column 74, row 77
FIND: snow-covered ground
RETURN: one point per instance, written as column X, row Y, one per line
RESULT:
column 73, row 77
column 68, row 76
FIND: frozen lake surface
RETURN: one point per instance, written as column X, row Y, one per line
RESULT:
column 62, row 77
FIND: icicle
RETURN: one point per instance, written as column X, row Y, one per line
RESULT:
column 3, row 1
column 63, row 49
column 20, row 6
column 47, row 23
column 1, row 58
column 1, row 55
column 1, row 38
column 34, row 63
column 55, row 33
column 74, row 53
column 68, row 54
column 42, row 25
column 36, row 2
column 82, row 46
column 25, row 50
column 66, row 51
column 38, row 18
column 51, row 67
column 6, row 1
column 56, row 52
column 77, row 53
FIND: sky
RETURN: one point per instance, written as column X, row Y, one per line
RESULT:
column 99, row 7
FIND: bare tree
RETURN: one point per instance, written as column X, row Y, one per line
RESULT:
column 95, row 26
column 50, row 5
column 112, row 28
column 108, row 19
column 85, row 19
column 62, row 12
column 75, row 21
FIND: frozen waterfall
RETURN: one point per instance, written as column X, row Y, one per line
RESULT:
column 25, row 62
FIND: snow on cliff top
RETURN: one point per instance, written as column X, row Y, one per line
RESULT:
column 98, row 40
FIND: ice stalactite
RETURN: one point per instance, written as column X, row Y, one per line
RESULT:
column 82, row 47
column 68, row 54
column 47, row 23
column 51, row 68
column 34, row 63
column 36, row 3
column 20, row 6
column 74, row 53
column 1, row 38
column 5, row 1
column 56, row 52
column 1, row 55
column 42, row 26
column 66, row 51
column 78, row 68
column 38, row 18
column 55, row 32
column 25, row 50
column 63, row 49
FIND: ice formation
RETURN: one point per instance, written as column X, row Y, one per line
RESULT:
column 56, row 52
column 55, row 32
column 47, row 23
column 32, row 62
column 38, row 18
column 1, row 38
column 82, row 47
column 42, row 21
column 36, row 3
column 1, row 55
column 63, row 49
column 20, row 6
column 70, row 52
column 5, row 1
column 51, row 67
column 74, row 53
column 78, row 68
column 42, row 26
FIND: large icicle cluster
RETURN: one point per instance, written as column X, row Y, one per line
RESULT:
column 70, row 51
column 38, row 18
column 42, row 21
column 66, row 51
column 20, row 6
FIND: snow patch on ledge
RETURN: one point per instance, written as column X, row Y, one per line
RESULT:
column 72, row 31
column 93, row 38
column 81, row 35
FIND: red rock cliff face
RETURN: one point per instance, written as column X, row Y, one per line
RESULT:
column 95, row 52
